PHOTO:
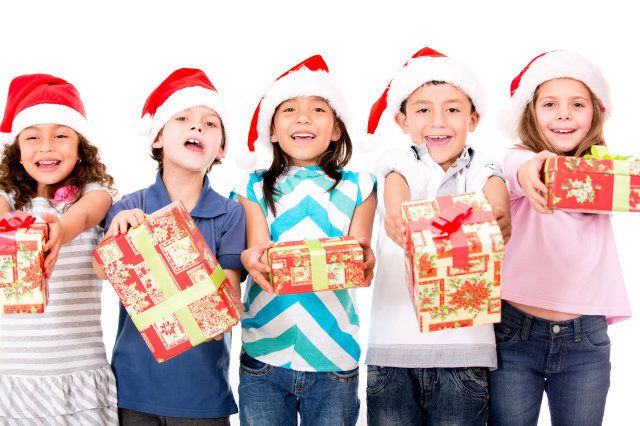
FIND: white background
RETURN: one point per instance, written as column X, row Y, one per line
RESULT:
column 117, row 52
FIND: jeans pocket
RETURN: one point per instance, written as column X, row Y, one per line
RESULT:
column 473, row 381
column 344, row 376
column 597, row 340
column 505, row 334
column 252, row 367
column 377, row 378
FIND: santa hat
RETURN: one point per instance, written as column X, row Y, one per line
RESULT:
column 549, row 66
column 42, row 99
column 183, row 89
column 424, row 66
column 309, row 78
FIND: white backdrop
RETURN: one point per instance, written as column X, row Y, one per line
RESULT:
column 117, row 52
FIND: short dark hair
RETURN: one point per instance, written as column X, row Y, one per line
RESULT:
column 403, row 105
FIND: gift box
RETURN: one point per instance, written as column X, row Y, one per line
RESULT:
column 23, row 286
column 594, row 183
column 316, row 265
column 169, row 282
column 453, row 261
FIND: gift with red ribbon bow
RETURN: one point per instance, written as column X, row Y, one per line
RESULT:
column 453, row 261
column 23, row 286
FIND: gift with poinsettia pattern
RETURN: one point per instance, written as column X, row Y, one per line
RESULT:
column 453, row 261
column 316, row 265
column 169, row 282
column 23, row 285
column 597, row 182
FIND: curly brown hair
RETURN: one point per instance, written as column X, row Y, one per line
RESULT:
column 14, row 179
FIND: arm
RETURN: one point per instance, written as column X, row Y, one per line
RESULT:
column 258, row 242
column 233, row 275
column 529, row 182
column 360, row 228
column 396, row 191
column 496, row 192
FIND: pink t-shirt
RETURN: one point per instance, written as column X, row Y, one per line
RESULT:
column 564, row 261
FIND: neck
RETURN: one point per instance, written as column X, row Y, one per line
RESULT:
column 184, row 186
column 42, row 190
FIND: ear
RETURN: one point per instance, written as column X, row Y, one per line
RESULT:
column 273, row 138
column 158, row 143
column 220, row 154
column 473, row 121
column 337, row 132
column 401, row 120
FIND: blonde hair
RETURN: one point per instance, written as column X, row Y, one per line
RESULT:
column 531, row 137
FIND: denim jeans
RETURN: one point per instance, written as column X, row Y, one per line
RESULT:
column 567, row 359
column 137, row 418
column 271, row 395
column 427, row 396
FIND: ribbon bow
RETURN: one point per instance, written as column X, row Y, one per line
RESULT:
column 601, row 152
column 65, row 193
column 13, row 221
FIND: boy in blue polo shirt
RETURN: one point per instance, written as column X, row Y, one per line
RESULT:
column 187, row 138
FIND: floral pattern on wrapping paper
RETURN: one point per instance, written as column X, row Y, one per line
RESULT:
column 163, row 228
column 149, row 283
column 110, row 253
column 634, row 198
column 170, row 331
column 134, row 300
column 30, row 276
column 211, row 315
column 181, row 253
column 634, row 169
column 472, row 296
column 117, row 272
column 6, row 269
column 582, row 191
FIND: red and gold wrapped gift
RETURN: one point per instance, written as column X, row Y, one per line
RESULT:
column 316, row 265
column 594, row 183
column 453, row 262
column 169, row 282
column 23, row 286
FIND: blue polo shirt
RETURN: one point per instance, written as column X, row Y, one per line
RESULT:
column 194, row 384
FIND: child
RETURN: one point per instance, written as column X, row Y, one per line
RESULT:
column 438, row 377
column 184, row 116
column 300, row 352
column 53, row 366
column 562, row 279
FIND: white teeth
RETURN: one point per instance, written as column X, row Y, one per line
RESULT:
column 563, row 131
column 303, row 135
column 193, row 141
column 437, row 137
column 48, row 162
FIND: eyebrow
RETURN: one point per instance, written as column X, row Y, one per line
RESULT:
column 428, row 102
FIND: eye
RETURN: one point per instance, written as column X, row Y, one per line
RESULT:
column 452, row 110
column 578, row 105
column 211, row 124
column 30, row 138
column 181, row 118
column 288, row 109
column 61, row 136
column 423, row 111
column 547, row 104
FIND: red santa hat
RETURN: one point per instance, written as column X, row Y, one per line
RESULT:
column 183, row 89
column 424, row 66
column 308, row 78
column 549, row 66
column 42, row 99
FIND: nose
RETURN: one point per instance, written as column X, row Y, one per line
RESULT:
column 438, row 119
column 303, row 117
column 563, row 113
column 46, row 144
column 198, row 128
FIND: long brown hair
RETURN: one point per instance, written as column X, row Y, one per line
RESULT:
column 14, row 178
column 531, row 137
column 333, row 160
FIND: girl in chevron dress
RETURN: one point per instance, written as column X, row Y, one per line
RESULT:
column 300, row 352
column 53, row 366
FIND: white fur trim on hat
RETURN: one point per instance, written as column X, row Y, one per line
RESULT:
column 303, row 82
column 179, row 101
column 424, row 69
column 50, row 114
column 556, row 64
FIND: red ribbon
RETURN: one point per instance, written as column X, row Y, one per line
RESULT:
column 449, row 222
column 14, row 221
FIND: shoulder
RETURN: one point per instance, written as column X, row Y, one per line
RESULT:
column 135, row 200
column 247, row 186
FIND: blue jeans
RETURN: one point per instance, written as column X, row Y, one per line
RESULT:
column 567, row 359
column 271, row 395
column 427, row 396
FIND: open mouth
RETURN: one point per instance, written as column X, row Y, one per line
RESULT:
column 47, row 165
column 563, row 131
column 438, row 139
column 303, row 137
column 194, row 145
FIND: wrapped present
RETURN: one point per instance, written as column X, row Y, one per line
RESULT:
column 594, row 183
column 23, row 286
column 453, row 261
column 169, row 282
column 316, row 265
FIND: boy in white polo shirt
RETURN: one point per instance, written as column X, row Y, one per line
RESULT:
column 438, row 377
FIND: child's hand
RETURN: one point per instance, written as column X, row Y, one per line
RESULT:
column 395, row 228
column 529, row 179
column 504, row 222
column 123, row 220
column 54, row 242
column 369, row 259
column 251, row 258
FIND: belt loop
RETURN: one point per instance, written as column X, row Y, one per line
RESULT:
column 526, row 327
column 577, row 330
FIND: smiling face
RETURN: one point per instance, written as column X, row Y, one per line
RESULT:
column 191, row 140
column 48, row 153
column 304, row 127
column 564, row 112
column 440, row 116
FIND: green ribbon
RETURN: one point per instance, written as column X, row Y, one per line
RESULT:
column 601, row 152
column 318, row 260
column 621, row 186
column 176, row 301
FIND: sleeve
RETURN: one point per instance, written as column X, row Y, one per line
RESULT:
column 97, row 187
column 513, row 159
column 246, row 188
column 232, row 238
column 405, row 163
column 9, row 199
column 128, row 202
column 483, row 167
column 367, row 183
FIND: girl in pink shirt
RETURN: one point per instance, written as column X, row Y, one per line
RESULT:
column 562, row 278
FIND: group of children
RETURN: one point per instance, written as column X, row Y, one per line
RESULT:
column 562, row 282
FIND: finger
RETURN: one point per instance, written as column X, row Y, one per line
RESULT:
column 262, row 282
column 139, row 215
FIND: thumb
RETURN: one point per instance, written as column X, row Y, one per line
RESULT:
column 49, row 218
